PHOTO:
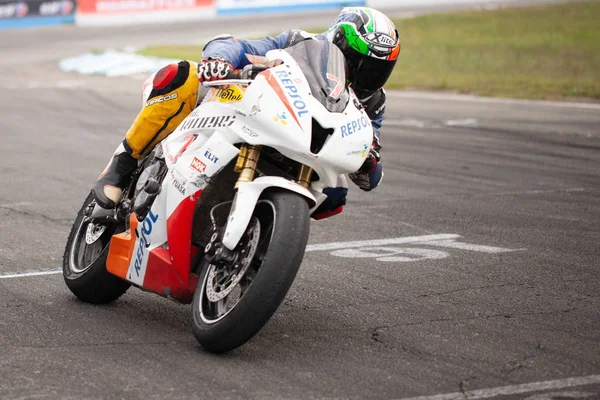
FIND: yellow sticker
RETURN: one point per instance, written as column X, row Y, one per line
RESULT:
column 233, row 94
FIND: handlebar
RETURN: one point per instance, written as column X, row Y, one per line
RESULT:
column 250, row 71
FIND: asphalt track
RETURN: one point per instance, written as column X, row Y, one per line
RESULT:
column 480, row 277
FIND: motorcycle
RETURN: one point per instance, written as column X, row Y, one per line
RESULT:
column 218, row 214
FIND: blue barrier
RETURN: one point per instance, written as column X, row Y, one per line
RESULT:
column 32, row 22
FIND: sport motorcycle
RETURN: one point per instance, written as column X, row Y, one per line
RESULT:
column 218, row 214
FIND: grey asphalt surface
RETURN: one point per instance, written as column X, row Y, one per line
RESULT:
column 516, row 175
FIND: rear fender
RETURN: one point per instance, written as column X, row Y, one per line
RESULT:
column 245, row 202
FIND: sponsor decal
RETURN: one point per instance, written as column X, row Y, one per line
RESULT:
column 36, row 8
column 281, row 118
column 378, row 38
column 198, row 165
column 354, row 126
column 14, row 10
column 22, row 9
column 210, row 156
column 232, row 94
column 186, row 143
column 208, row 122
column 291, row 89
column 161, row 99
column 338, row 86
column 249, row 131
column 179, row 184
column 362, row 152
column 62, row 7
column 147, row 227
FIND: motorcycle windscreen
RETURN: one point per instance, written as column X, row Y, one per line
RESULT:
column 324, row 67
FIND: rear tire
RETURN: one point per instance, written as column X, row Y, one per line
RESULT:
column 272, row 270
column 84, row 265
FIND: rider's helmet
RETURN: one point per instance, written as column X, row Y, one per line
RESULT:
column 370, row 43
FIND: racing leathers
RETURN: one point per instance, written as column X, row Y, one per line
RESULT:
column 172, row 93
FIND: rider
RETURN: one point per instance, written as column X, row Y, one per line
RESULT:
column 369, row 41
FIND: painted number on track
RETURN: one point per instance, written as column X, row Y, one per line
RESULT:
column 389, row 250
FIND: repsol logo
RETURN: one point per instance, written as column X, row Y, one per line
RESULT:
column 147, row 227
column 292, row 92
column 208, row 122
column 354, row 126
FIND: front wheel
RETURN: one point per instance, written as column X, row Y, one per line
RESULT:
column 234, row 301
column 84, row 261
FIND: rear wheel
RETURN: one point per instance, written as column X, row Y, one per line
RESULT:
column 84, row 260
column 233, row 301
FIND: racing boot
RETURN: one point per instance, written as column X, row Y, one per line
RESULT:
column 114, row 179
column 335, row 201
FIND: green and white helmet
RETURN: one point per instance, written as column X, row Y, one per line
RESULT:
column 370, row 43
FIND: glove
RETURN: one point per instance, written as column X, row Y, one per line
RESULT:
column 369, row 175
column 214, row 69
column 370, row 162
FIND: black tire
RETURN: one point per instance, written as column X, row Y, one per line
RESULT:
column 281, row 249
column 91, row 283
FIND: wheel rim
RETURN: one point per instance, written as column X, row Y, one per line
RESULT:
column 217, row 302
column 220, row 282
column 88, row 245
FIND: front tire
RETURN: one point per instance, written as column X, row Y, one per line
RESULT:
column 84, row 264
column 283, row 220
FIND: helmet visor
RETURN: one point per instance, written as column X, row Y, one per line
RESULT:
column 371, row 73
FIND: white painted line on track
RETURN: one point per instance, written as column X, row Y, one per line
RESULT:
column 379, row 242
column 72, row 84
column 440, row 240
column 21, row 203
column 25, row 274
column 370, row 249
column 461, row 122
column 524, row 192
column 491, row 100
column 514, row 389
column 409, row 122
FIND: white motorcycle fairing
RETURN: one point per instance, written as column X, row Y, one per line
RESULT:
column 278, row 110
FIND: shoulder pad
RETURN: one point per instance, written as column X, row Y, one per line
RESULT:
column 296, row 36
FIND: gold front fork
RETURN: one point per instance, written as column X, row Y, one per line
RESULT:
column 304, row 176
column 246, row 166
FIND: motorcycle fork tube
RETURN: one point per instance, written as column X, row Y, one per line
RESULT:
column 246, row 164
column 304, row 176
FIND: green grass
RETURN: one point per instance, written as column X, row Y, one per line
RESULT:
column 542, row 52
column 180, row 52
